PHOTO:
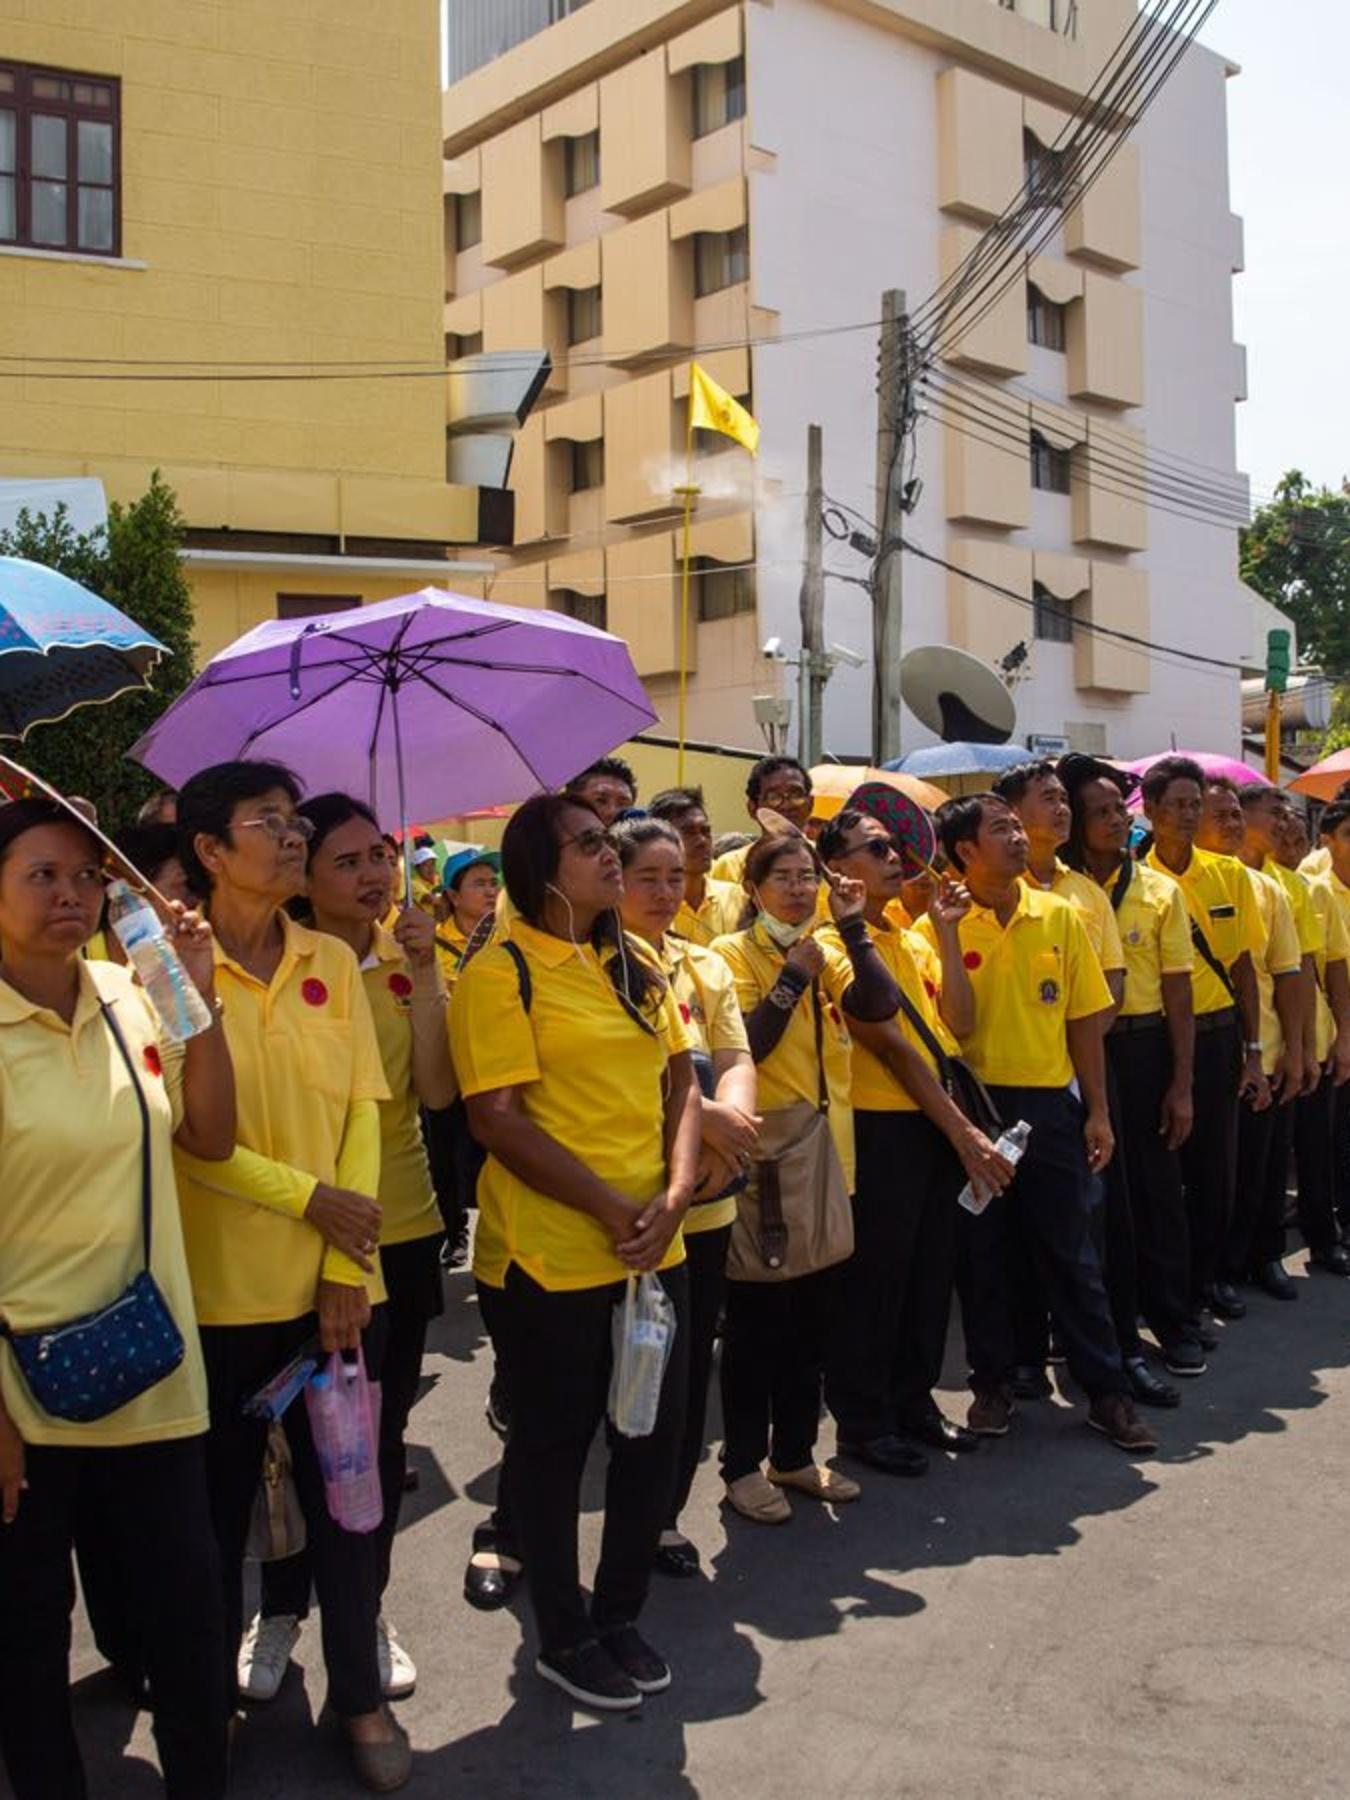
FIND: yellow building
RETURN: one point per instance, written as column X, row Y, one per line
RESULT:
column 221, row 185
column 627, row 181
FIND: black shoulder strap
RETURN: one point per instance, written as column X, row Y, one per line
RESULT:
column 139, row 1092
column 517, row 955
column 1121, row 886
column 926, row 1037
column 1201, row 943
column 822, row 1086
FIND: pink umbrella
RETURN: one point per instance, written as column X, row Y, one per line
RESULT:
column 1227, row 766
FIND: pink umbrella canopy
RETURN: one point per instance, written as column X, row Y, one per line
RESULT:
column 429, row 705
column 1212, row 764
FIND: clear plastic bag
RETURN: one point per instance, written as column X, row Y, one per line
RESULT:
column 344, row 1418
column 644, row 1331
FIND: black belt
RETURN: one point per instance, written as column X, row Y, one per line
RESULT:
column 1216, row 1021
column 1153, row 1021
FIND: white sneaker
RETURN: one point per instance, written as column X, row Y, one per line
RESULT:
column 398, row 1671
column 265, row 1655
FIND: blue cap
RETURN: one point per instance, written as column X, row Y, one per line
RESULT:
column 463, row 860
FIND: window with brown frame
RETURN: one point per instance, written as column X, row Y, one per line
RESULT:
column 314, row 606
column 60, row 160
column 1052, row 618
column 1046, row 325
column 1051, row 469
column 591, row 609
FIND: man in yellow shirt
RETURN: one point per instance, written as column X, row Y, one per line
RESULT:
column 1037, row 1037
column 609, row 787
column 1226, row 930
column 711, row 909
column 783, row 785
column 1334, row 833
column 1264, row 1133
column 915, row 1148
column 1150, row 1054
column 1314, row 1111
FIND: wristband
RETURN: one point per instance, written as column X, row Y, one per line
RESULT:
column 1253, row 1049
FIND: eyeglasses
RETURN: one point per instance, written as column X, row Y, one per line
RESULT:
column 592, row 841
column 278, row 827
column 785, row 878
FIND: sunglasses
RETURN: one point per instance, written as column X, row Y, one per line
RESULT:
column 278, row 827
column 880, row 848
column 592, row 842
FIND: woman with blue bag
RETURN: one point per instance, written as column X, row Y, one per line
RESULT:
column 102, row 1389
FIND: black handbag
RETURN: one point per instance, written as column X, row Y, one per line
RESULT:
column 95, row 1364
column 961, row 1084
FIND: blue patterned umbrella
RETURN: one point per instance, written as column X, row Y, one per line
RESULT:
column 62, row 647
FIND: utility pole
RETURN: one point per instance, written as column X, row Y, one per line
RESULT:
column 894, row 423
column 811, row 671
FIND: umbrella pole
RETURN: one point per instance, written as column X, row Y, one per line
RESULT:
column 402, row 802
column 688, row 493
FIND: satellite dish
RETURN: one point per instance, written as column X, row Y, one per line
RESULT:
column 958, row 696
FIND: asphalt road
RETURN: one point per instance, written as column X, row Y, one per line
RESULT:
column 1044, row 1618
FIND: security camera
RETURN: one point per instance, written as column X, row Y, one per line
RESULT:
column 842, row 653
column 773, row 649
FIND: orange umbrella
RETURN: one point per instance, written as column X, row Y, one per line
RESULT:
column 832, row 783
column 1323, row 779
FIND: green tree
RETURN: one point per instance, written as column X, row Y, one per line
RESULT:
column 1296, row 552
column 134, row 564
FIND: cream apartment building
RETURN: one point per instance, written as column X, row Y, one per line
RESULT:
column 627, row 179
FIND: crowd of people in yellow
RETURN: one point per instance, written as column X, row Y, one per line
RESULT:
column 813, row 1091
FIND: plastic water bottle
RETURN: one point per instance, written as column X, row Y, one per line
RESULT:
column 1011, row 1147
column 173, row 993
column 344, row 1419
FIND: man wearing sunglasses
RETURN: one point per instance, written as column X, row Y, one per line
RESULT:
column 915, row 1148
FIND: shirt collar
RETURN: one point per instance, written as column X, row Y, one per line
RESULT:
column 297, row 941
column 17, row 1008
column 551, row 951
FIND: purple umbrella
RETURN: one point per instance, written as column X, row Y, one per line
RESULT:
column 427, row 705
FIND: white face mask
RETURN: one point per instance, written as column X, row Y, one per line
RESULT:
column 784, row 934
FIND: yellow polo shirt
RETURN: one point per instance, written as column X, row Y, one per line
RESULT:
column 1221, row 901
column 451, row 944
column 1306, row 921
column 1280, row 954
column 1155, row 935
column 1317, row 861
column 406, row 1194
column 791, row 1072
column 70, row 1172
column 717, row 916
column 1335, row 947
column 705, row 994
column 589, row 1077
column 730, row 869
column 1030, row 977
column 917, row 969
column 304, row 1052
column 1093, row 907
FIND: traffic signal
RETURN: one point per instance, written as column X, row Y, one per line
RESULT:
column 1277, row 661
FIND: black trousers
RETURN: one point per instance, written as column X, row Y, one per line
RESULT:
column 775, row 1345
column 1314, row 1152
column 345, row 1564
column 152, row 1499
column 706, row 1253
column 1209, row 1157
column 1141, row 1062
column 1340, row 1151
column 556, row 1349
column 896, row 1289
column 412, row 1276
column 1051, row 1202
column 1256, row 1233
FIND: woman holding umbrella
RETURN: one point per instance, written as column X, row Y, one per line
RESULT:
column 348, row 886
column 282, row 1239
column 575, row 1068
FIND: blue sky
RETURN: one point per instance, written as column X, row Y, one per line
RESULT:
column 1288, row 139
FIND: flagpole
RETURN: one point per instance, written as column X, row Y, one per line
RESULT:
column 689, row 493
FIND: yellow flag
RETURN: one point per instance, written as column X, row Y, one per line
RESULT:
column 712, row 408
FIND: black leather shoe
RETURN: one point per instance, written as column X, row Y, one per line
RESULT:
column 1273, row 1279
column 940, row 1433
column 493, row 1573
column 1335, row 1261
column 1030, row 1383
column 1148, row 1388
column 680, row 1561
column 1226, row 1303
column 1202, row 1330
column 888, row 1454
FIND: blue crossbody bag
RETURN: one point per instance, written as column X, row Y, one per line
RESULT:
column 95, row 1364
